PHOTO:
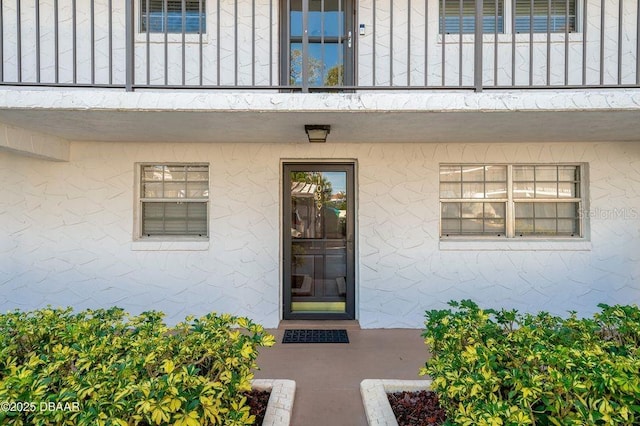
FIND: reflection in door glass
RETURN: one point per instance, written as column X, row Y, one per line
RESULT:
column 318, row 241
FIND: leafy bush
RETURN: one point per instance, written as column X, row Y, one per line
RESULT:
column 105, row 367
column 504, row 368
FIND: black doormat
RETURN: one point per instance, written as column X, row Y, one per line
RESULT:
column 315, row 336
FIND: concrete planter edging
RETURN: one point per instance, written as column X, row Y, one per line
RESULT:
column 376, row 404
column 280, row 403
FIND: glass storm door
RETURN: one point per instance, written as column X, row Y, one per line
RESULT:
column 318, row 241
column 320, row 43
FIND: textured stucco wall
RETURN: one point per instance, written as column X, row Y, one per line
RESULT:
column 67, row 233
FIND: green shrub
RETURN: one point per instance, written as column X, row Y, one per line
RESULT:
column 105, row 367
column 505, row 368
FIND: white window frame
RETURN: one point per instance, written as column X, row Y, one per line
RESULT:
column 510, row 201
column 168, row 242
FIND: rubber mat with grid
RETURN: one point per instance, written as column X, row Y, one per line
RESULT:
column 315, row 336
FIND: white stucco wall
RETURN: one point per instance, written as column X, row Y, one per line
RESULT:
column 235, row 54
column 67, row 232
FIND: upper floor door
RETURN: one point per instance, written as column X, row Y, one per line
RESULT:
column 318, row 43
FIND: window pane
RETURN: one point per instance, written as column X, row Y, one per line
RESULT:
column 174, row 190
column 496, row 173
column 544, row 210
column 524, row 226
column 450, row 226
column 546, row 190
column 471, row 226
column 450, row 210
column 494, row 226
column 152, row 190
column 568, row 210
column 523, row 173
column 494, row 210
column 545, row 226
column 450, row 190
column 197, row 189
column 524, row 210
column 496, row 190
column 568, row 226
column 450, row 174
column 546, row 173
column 153, row 173
column 556, row 18
column 473, row 173
column 472, row 209
column 567, row 190
column 472, row 190
column 568, row 173
column 523, row 190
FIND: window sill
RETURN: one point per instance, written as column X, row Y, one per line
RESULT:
column 175, row 245
column 546, row 244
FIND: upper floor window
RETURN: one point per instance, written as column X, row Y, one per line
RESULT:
column 511, row 200
column 457, row 14
column 555, row 16
column 174, row 200
column 173, row 16
column 498, row 16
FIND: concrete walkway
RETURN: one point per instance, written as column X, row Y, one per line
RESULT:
column 328, row 376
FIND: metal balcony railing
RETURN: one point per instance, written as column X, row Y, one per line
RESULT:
column 250, row 44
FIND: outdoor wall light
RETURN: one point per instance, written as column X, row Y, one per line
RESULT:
column 317, row 133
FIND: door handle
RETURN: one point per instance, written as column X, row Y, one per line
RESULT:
column 349, row 40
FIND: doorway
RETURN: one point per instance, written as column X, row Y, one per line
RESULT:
column 318, row 43
column 318, row 241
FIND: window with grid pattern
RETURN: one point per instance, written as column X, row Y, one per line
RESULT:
column 554, row 16
column 510, row 200
column 158, row 16
column 174, row 200
column 457, row 14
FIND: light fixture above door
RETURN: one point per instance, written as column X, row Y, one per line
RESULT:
column 317, row 133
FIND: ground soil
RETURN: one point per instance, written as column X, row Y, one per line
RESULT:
column 257, row 401
column 417, row 408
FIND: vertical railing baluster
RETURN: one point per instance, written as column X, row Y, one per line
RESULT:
column 74, row 24
column 253, row 42
column 584, row 43
column 218, row 42
column 478, row 46
column 56, row 43
column 270, row 42
column 460, row 37
column 93, row 41
column 165, row 20
column 566, row 43
column 391, row 43
column 183, row 8
column 548, row 42
column 148, row 40
column 305, row 46
column 638, row 44
column 426, row 43
column 495, row 43
column 129, row 48
column 620, row 11
column 409, row 43
column 19, row 39
column 443, row 32
column 37, row 5
column 373, row 43
column 513, row 42
column 235, row 41
column 200, row 45
column 602, row 19
column 2, row 40
column 110, row 6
